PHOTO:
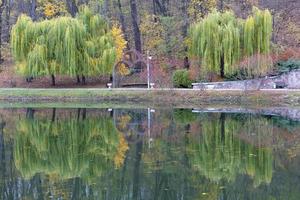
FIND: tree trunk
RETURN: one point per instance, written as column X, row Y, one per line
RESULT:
column 78, row 79
column 2, row 6
column 72, row 7
column 53, row 114
column 21, row 6
column 83, row 80
column 122, row 20
column 136, row 171
column 159, row 7
column 221, row 5
column 30, row 113
column 53, row 79
column 154, row 7
column 222, row 66
column 105, row 9
column 136, row 29
column 7, row 20
column 222, row 122
column 185, row 17
column 1, row 11
column 32, row 10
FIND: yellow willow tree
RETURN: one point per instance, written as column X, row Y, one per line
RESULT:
column 64, row 46
column 220, row 40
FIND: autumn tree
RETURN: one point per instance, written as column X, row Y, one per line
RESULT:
column 221, row 40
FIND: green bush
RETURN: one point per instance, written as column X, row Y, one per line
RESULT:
column 181, row 79
column 287, row 66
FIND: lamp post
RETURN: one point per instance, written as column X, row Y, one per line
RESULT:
column 148, row 69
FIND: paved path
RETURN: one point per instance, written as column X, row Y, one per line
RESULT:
column 145, row 89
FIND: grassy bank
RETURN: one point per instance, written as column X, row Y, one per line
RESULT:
column 135, row 97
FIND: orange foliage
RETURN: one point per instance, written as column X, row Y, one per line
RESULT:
column 289, row 53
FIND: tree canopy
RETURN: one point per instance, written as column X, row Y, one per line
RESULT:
column 220, row 40
column 64, row 46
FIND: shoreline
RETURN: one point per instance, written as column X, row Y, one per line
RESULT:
column 152, row 97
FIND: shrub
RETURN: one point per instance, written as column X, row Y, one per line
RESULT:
column 181, row 79
column 287, row 66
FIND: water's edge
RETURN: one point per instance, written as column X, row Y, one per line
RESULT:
column 172, row 97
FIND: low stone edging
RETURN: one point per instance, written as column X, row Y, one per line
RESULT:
column 289, row 80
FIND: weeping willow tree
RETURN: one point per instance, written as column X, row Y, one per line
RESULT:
column 221, row 39
column 68, row 148
column 220, row 155
column 257, row 33
column 63, row 46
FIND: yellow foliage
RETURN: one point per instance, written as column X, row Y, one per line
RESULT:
column 121, row 44
column 122, row 149
column 199, row 8
column 52, row 8
column 123, row 121
column 123, row 70
column 119, row 41
column 152, row 32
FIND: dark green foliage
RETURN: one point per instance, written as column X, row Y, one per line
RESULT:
column 181, row 79
column 287, row 66
column 184, row 116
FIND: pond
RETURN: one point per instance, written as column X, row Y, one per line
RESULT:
column 122, row 154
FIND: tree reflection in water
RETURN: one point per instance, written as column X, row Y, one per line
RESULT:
column 84, row 147
column 219, row 153
column 86, row 155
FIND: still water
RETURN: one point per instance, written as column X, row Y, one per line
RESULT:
column 122, row 154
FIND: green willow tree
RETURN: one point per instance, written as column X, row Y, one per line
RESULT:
column 66, row 148
column 221, row 40
column 63, row 46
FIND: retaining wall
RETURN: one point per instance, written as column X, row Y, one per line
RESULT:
column 289, row 80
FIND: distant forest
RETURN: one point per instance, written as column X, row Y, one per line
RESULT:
column 157, row 25
column 245, row 38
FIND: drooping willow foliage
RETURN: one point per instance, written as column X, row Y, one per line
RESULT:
column 221, row 40
column 63, row 46
column 221, row 155
column 68, row 148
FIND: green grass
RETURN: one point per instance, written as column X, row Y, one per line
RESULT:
column 141, row 97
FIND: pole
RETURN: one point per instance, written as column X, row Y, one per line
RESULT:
column 148, row 70
column 149, row 127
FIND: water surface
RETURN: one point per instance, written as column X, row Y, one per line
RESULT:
column 122, row 154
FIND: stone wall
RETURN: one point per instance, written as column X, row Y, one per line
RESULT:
column 289, row 80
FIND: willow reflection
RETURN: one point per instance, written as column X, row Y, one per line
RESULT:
column 68, row 147
column 220, row 154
